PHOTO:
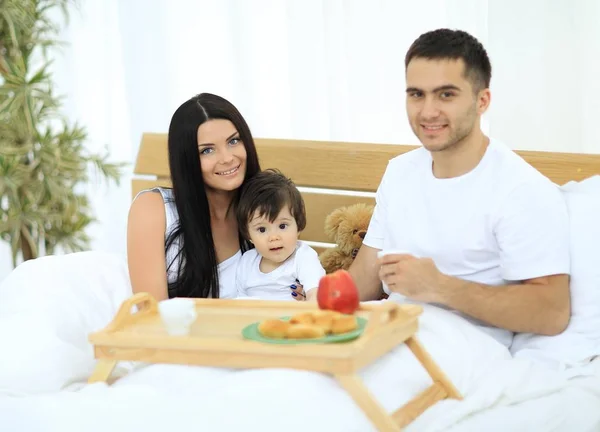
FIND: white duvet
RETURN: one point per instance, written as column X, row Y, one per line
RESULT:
column 48, row 307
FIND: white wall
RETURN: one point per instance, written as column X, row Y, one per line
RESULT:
column 545, row 83
column 326, row 69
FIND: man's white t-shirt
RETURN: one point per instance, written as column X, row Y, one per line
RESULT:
column 303, row 266
column 500, row 223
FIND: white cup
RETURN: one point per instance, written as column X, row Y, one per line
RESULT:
column 177, row 314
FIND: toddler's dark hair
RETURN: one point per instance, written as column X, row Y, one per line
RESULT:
column 268, row 192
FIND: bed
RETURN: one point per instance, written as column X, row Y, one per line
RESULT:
column 50, row 305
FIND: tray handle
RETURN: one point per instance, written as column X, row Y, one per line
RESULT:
column 146, row 305
column 387, row 312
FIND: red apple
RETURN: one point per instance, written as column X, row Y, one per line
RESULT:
column 338, row 292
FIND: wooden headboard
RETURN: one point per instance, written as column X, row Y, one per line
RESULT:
column 335, row 174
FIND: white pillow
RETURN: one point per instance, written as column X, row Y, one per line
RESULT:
column 581, row 339
column 48, row 306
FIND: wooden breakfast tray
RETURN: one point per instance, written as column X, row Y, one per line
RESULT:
column 215, row 339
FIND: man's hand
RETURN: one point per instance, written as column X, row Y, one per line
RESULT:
column 416, row 278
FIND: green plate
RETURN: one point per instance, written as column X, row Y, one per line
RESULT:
column 251, row 332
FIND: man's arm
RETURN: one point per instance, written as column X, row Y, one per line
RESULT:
column 365, row 273
column 541, row 305
column 365, row 267
column 532, row 231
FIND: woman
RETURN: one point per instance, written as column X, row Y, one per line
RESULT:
column 184, row 241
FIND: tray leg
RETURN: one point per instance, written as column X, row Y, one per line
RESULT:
column 414, row 408
column 102, row 371
column 442, row 388
column 363, row 398
column 436, row 374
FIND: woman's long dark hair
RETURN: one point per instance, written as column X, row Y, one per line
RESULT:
column 197, row 274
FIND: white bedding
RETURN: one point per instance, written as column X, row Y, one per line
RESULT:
column 46, row 359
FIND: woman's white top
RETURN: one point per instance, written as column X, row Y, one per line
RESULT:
column 226, row 269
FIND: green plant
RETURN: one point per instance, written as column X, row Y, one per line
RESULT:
column 44, row 162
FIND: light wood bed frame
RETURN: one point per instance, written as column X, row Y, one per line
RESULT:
column 336, row 174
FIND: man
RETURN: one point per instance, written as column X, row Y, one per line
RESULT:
column 477, row 230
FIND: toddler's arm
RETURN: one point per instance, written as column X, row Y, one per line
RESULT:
column 310, row 270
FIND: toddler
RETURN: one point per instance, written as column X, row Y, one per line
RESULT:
column 270, row 215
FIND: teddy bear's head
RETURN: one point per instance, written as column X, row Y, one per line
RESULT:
column 347, row 226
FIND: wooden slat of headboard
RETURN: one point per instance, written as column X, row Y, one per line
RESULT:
column 138, row 185
column 318, row 206
column 332, row 165
column 354, row 166
column 319, row 250
column 153, row 156
column 347, row 166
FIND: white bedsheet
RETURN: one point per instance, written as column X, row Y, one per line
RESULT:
column 501, row 393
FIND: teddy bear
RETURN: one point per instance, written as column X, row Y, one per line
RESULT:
column 346, row 227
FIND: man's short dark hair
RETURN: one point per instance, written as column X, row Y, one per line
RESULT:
column 454, row 44
column 269, row 191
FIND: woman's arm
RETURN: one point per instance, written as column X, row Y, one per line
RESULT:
column 146, row 227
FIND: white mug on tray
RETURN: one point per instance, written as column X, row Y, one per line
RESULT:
column 177, row 314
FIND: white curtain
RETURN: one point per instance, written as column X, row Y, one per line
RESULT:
column 316, row 69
